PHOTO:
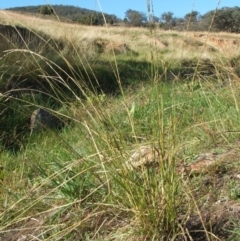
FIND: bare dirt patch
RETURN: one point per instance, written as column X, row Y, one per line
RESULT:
column 215, row 184
column 105, row 46
column 219, row 42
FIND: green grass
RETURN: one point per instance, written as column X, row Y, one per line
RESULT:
column 85, row 165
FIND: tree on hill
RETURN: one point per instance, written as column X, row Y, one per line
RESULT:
column 46, row 10
column 192, row 20
column 96, row 18
column 135, row 18
column 89, row 19
column 168, row 20
column 194, row 16
column 226, row 19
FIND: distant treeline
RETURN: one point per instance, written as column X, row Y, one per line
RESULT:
column 224, row 19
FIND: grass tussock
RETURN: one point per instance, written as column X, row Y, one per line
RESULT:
column 149, row 148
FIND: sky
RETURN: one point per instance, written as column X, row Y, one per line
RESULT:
column 119, row 7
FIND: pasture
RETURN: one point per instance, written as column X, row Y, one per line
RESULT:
column 150, row 144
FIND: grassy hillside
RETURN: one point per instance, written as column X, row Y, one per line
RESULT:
column 150, row 144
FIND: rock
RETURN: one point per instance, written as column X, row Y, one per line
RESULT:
column 210, row 162
column 41, row 119
column 143, row 156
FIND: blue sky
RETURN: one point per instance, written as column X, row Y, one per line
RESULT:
column 119, row 7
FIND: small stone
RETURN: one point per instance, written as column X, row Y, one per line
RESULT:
column 41, row 118
column 143, row 156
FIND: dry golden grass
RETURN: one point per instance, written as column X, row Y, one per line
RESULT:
column 170, row 44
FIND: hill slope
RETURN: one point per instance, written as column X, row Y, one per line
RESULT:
column 73, row 13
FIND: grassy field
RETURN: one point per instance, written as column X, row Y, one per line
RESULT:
column 150, row 146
